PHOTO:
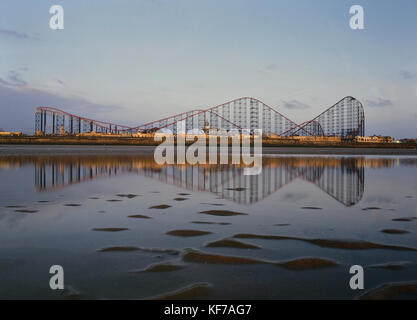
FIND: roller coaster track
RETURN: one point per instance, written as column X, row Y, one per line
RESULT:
column 345, row 118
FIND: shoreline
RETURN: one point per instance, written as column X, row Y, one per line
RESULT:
column 17, row 150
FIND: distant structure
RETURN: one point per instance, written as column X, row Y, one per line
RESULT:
column 345, row 119
column 10, row 134
column 374, row 139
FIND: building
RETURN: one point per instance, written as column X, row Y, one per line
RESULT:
column 374, row 139
column 314, row 138
column 9, row 133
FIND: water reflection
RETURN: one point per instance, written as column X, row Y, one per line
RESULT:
column 121, row 213
column 343, row 178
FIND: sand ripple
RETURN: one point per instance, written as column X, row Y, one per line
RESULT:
column 306, row 263
column 329, row 243
column 209, row 222
column 136, row 248
column 187, row 233
column 223, row 213
column 167, row 266
column 396, row 265
column 110, row 229
column 139, row 216
column 25, row 211
column 394, row 231
column 191, row 291
column 196, row 256
column 392, row 290
column 230, row 243
column 160, row 206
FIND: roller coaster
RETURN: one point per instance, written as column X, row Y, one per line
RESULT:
column 344, row 119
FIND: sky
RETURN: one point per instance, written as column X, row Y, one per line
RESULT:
column 131, row 62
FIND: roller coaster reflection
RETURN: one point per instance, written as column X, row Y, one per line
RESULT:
column 341, row 178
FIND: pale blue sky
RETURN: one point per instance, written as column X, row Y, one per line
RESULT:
column 135, row 61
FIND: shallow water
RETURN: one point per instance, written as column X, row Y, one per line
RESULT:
column 124, row 227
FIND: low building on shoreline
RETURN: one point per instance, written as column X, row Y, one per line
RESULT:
column 374, row 139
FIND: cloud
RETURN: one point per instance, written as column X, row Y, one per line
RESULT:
column 13, row 79
column 14, row 34
column 295, row 104
column 18, row 104
column 16, row 78
column 62, row 83
column 379, row 103
column 268, row 69
column 271, row 67
column 407, row 75
column 4, row 82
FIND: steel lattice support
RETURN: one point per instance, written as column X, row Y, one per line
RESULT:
column 344, row 119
